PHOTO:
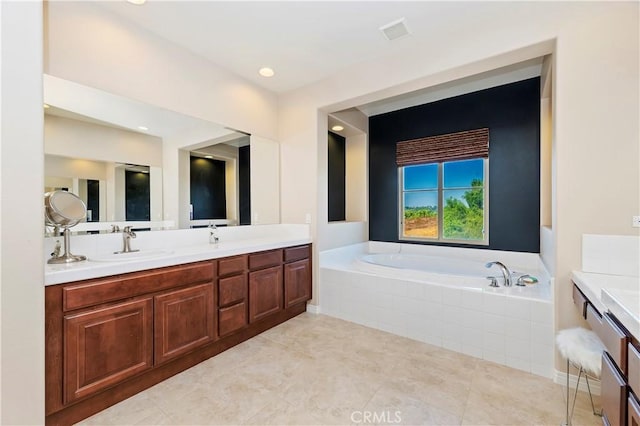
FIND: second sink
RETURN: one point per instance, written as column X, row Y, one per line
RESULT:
column 134, row 255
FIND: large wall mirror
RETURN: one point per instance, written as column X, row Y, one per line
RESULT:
column 133, row 162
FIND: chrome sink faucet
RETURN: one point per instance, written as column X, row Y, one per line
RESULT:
column 505, row 272
column 127, row 235
column 213, row 234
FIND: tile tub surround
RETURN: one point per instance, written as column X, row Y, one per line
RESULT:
column 318, row 370
column 182, row 245
column 510, row 330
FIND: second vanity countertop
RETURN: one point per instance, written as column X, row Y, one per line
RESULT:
column 88, row 269
column 617, row 294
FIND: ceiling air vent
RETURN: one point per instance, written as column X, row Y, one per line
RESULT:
column 395, row 30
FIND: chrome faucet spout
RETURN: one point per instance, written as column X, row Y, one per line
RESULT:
column 213, row 233
column 127, row 235
column 505, row 272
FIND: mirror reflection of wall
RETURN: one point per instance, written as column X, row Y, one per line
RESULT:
column 85, row 124
column 102, row 184
column 220, row 183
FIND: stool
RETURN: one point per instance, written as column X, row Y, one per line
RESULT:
column 583, row 349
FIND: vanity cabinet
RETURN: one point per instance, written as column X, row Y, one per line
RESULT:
column 232, row 295
column 620, row 379
column 265, row 293
column 109, row 338
column 106, row 345
column 297, row 275
column 265, row 284
column 297, row 282
column 184, row 319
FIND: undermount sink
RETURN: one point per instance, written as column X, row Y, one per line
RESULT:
column 133, row 255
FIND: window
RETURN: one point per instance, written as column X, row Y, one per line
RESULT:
column 445, row 202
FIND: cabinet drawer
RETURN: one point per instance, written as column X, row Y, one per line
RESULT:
column 633, row 360
column 94, row 292
column 232, row 318
column 633, row 411
column 593, row 318
column 232, row 265
column 615, row 340
column 580, row 301
column 265, row 259
column 613, row 394
column 232, row 290
column 296, row 253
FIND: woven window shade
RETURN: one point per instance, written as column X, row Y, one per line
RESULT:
column 452, row 146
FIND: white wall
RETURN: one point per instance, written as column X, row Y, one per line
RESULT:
column 595, row 81
column 21, row 215
column 87, row 44
column 265, row 181
column 119, row 58
column 356, row 178
column 77, row 139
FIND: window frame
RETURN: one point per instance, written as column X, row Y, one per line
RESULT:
column 440, row 239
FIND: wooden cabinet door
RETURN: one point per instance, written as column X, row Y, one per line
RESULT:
column 232, row 318
column 297, row 282
column 613, row 392
column 184, row 319
column 265, row 293
column 105, row 346
column 633, row 411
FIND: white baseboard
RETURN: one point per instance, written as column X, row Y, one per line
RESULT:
column 313, row 309
column 560, row 377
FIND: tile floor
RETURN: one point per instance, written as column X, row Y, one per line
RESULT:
column 317, row 370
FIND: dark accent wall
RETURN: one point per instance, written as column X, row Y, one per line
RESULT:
column 137, row 195
column 336, row 171
column 93, row 199
column 208, row 188
column 512, row 114
column 244, row 171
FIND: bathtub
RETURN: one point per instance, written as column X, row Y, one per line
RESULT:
column 440, row 296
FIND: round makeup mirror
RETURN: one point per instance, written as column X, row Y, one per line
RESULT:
column 63, row 209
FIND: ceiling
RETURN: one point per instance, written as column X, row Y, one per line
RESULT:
column 307, row 41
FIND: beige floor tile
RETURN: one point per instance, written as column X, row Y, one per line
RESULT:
column 443, row 378
column 139, row 409
column 331, row 388
column 315, row 370
column 283, row 413
column 392, row 406
column 504, row 396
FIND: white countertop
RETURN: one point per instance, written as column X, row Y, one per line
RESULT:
column 618, row 294
column 57, row 274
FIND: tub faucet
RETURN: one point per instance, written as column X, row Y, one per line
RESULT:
column 505, row 272
column 127, row 235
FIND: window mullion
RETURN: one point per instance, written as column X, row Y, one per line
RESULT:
column 440, row 201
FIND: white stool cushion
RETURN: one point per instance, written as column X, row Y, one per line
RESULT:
column 582, row 347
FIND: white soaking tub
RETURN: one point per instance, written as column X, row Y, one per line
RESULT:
column 440, row 295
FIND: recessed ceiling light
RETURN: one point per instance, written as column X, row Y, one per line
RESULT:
column 337, row 128
column 46, row 106
column 137, row 2
column 266, row 72
column 144, row 128
column 208, row 156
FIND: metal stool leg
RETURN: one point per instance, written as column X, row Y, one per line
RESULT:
column 567, row 418
column 593, row 407
column 575, row 394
